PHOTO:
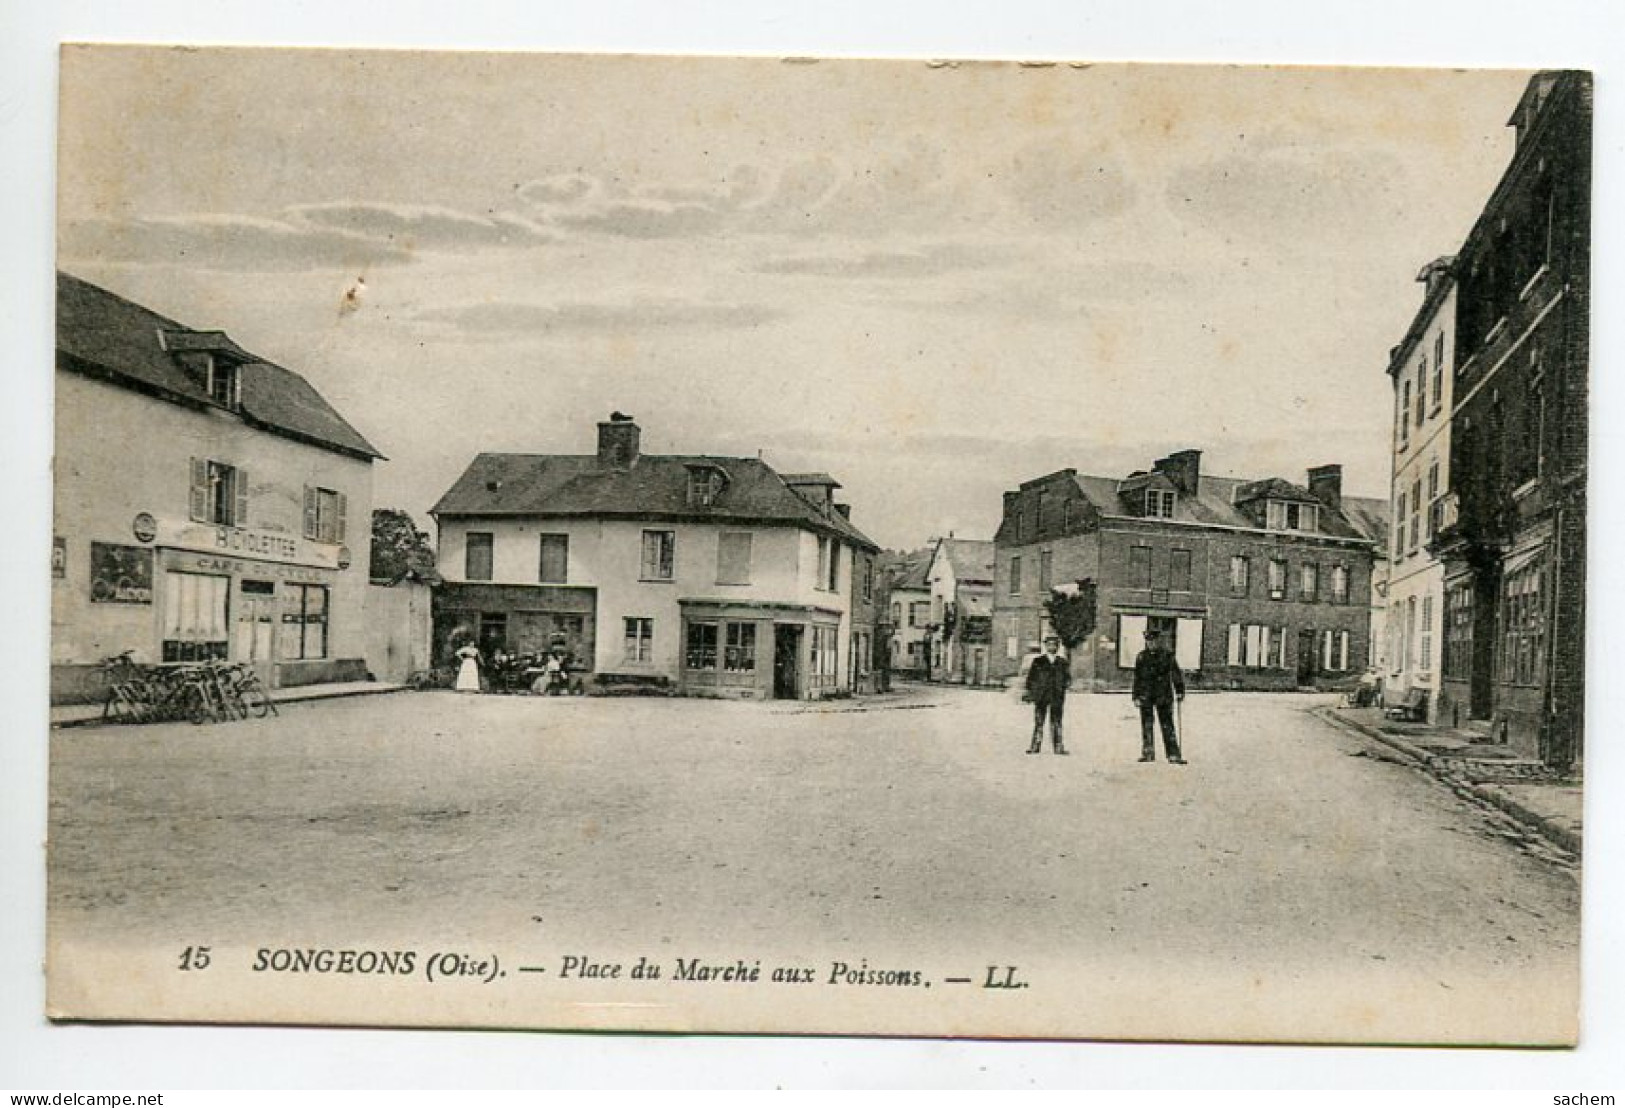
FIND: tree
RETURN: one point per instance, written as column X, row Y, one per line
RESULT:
column 398, row 547
column 1071, row 611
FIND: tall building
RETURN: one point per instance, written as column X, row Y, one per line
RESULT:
column 1422, row 373
column 706, row 575
column 1512, row 531
column 1257, row 584
column 210, row 505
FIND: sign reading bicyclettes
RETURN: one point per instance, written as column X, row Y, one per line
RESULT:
column 250, row 542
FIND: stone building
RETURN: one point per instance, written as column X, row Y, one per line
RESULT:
column 1512, row 530
column 1258, row 584
column 960, row 580
column 706, row 575
column 209, row 505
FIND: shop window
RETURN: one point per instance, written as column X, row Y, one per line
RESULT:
column 659, row 555
column 195, row 617
column 1523, row 626
column 739, row 650
column 1255, row 646
column 219, row 493
column 1458, row 632
column 304, row 622
column 555, row 559
column 701, row 652
column 1334, row 651
column 640, row 634
column 824, row 660
column 324, row 514
column 477, row 556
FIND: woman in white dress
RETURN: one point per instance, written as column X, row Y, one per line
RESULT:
column 468, row 668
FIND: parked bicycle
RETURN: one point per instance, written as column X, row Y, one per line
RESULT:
column 202, row 692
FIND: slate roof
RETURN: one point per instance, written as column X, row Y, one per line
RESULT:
column 655, row 486
column 909, row 569
column 971, row 559
column 103, row 334
column 1370, row 516
column 1215, row 503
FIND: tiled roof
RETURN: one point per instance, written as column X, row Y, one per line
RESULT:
column 102, row 333
column 1369, row 515
column 655, row 485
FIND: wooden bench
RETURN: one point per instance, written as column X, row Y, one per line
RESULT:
column 1413, row 709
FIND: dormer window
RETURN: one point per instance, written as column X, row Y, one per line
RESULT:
column 225, row 384
column 1289, row 515
column 704, row 483
column 1159, row 503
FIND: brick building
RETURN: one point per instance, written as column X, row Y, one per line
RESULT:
column 1512, row 532
column 1259, row 584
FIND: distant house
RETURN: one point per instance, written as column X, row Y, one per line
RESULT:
column 960, row 578
column 1257, row 584
column 707, row 575
column 908, row 604
column 210, row 504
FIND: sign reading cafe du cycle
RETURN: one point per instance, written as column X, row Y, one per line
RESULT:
column 247, row 542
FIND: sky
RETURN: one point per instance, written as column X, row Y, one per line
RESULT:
column 934, row 281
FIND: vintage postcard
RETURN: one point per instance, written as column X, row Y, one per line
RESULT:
column 865, row 547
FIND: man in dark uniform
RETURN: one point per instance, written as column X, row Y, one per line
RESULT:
column 1047, row 681
column 1157, row 684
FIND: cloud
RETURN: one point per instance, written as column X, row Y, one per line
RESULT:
column 507, row 318
column 225, row 242
column 924, row 262
column 1287, row 195
column 1059, row 187
column 417, row 227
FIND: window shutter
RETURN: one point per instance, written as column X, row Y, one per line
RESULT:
column 310, row 513
column 239, row 515
column 1130, row 630
column 200, row 490
column 1188, row 644
column 1233, row 653
column 341, row 510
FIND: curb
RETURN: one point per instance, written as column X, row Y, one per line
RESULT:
column 1554, row 833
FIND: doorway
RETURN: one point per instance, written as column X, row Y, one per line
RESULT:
column 258, row 613
column 786, row 662
column 1306, row 657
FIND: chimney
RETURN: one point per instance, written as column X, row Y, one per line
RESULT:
column 1326, row 483
column 1183, row 468
column 618, row 442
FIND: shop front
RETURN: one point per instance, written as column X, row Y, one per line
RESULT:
column 759, row 651
column 274, row 601
column 516, row 619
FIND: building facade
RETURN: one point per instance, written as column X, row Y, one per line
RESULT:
column 960, row 580
column 704, row 575
column 1422, row 372
column 210, row 505
column 1512, row 533
column 1257, row 584
column 908, row 603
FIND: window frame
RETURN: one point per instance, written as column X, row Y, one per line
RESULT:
column 469, row 546
column 662, row 566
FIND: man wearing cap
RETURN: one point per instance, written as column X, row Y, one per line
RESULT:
column 1047, row 681
column 1157, row 684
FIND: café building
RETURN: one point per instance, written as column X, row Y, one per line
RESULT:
column 210, row 505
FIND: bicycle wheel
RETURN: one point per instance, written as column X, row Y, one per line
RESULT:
column 255, row 702
column 195, row 703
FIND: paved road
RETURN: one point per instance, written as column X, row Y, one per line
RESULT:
column 1288, row 882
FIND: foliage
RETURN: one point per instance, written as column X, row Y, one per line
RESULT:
column 1072, row 612
column 398, row 547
